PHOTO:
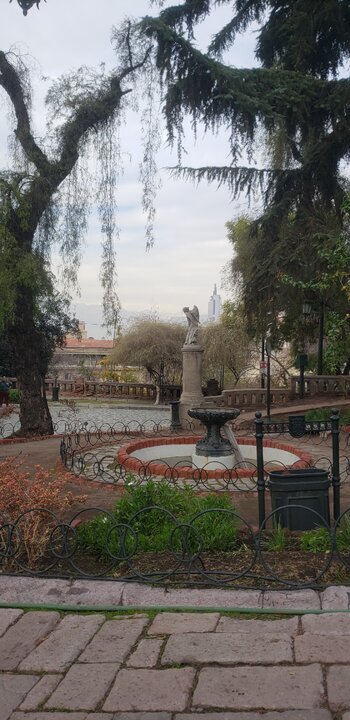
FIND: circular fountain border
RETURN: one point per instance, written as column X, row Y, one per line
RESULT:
column 156, row 467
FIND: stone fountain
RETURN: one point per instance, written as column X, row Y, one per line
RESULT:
column 214, row 448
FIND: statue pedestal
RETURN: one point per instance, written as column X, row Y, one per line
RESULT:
column 191, row 395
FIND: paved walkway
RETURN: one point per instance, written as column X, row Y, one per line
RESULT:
column 173, row 666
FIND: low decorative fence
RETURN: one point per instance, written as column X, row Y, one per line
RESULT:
column 164, row 531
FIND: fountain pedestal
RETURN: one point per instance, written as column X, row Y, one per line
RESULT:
column 213, row 448
column 191, row 395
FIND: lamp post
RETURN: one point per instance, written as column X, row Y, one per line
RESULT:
column 268, row 349
column 302, row 356
column 320, row 341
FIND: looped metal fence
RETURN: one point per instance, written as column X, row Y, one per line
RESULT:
column 95, row 544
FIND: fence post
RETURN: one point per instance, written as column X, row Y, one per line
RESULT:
column 259, row 435
column 335, row 464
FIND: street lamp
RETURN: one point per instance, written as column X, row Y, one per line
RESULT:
column 302, row 356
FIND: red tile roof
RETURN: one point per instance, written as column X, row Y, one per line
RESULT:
column 89, row 343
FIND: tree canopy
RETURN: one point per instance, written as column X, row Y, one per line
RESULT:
column 44, row 197
column 288, row 118
column 154, row 345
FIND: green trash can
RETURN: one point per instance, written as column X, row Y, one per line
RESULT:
column 55, row 393
column 305, row 487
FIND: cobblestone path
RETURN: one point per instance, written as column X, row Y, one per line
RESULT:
column 173, row 666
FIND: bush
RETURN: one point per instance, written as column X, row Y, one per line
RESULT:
column 153, row 528
column 37, row 500
column 14, row 395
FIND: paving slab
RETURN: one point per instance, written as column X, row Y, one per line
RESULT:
column 327, row 624
column 289, row 626
column 338, row 687
column 95, row 593
column 151, row 690
column 288, row 715
column 41, row 692
column 38, row 591
column 8, row 616
column 83, row 687
column 263, row 688
column 52, row 716
column 20, row 639
column 138, row 595
column 13, row 688
column 335, row 598
column 114, row 640
column 227, row 648
column 325, row 649
column 168, row 623
column 146, row 653
column 292, row 599
column 64, row 644
column 142, row 716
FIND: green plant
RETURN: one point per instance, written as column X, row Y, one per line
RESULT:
column 343, row 534
column 14, row 395
column 325, row 413
column 145, row 516
column 318, row 540
column 277, row 540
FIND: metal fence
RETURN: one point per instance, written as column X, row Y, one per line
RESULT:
column 217, row 546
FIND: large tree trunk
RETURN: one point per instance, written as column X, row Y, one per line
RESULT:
column 28, row 360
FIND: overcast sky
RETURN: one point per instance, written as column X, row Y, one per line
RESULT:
column 191, row 247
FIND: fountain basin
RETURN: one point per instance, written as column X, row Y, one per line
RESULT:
column 153, row 453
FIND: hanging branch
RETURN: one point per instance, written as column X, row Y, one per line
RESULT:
column 27, row 5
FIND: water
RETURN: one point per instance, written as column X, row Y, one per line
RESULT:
column 92, row 417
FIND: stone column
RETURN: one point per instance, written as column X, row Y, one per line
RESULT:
column 191, row 395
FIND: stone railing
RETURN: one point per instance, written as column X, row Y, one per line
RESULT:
column 129, row 391
column 316, row 385
column 249, row 397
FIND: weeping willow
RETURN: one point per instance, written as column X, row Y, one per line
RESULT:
column 46, row 197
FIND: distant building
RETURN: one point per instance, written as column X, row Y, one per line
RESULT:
column 80, row 357
column 214, row 306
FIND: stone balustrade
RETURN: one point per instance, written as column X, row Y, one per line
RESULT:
column 316, row 385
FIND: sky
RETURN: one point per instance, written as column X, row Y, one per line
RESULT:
column 191, row 248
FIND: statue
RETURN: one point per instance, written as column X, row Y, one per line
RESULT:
column 193, row 324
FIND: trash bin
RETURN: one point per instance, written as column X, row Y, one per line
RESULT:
column 55, row 391
column 306, row 487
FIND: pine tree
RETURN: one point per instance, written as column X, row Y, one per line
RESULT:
column 297, row 98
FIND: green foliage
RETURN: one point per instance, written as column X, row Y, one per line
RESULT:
column 296, row 109
column 343, row 534
column 14, row 395
column 277, row 541
column 318, row 540
column 154, row 526
column 323, row 414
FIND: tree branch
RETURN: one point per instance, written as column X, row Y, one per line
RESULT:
column 10, row 81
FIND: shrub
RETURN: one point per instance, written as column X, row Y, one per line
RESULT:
column 14, row 395
column 318, row 540
column 148, row 510
column 37, row 500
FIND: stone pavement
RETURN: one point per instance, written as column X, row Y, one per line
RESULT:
column 173, row 666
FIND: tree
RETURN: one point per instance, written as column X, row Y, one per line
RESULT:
column 50, row 181
column 227, row 344
column 154, row 345
column 295, row 102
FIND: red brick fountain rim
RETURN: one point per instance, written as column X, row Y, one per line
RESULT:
column 157, row 467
